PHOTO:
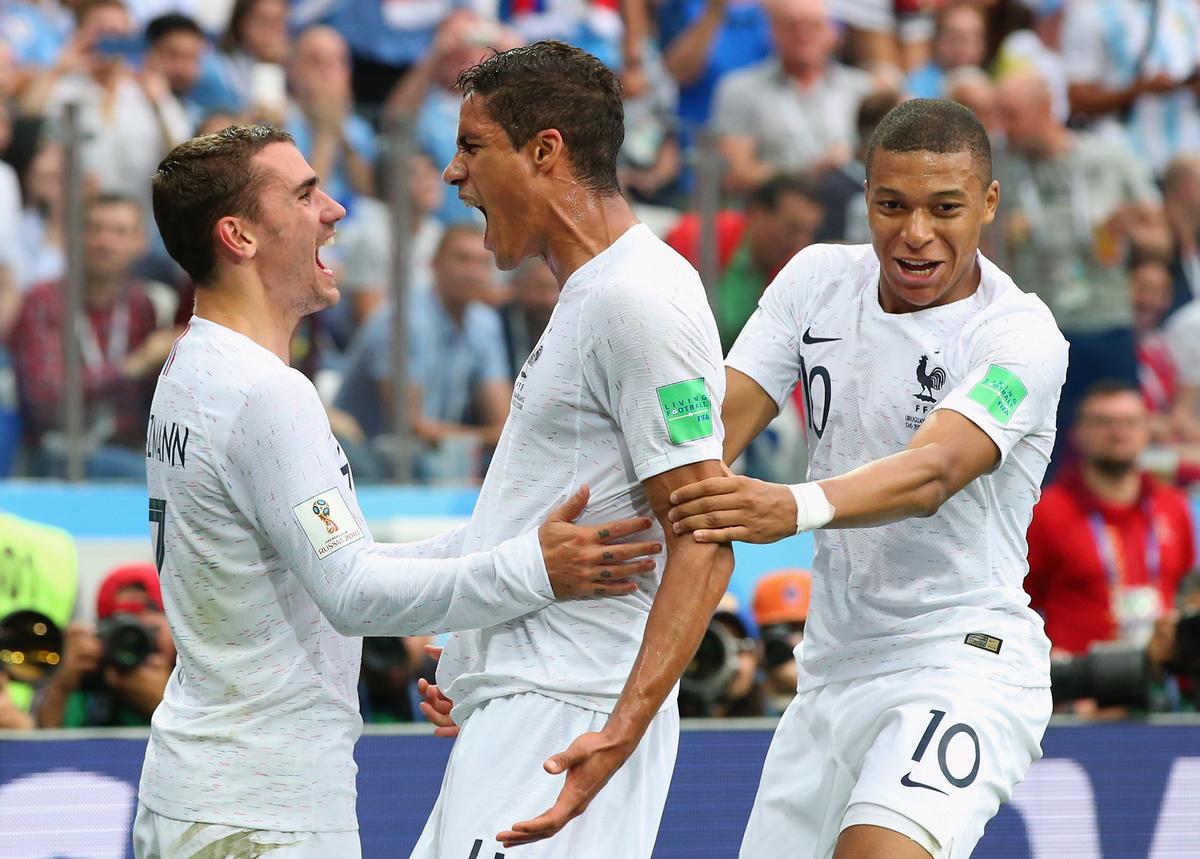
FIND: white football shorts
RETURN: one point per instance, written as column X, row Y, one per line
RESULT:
column 495, row 778
column 158, row 837
column 928, row 752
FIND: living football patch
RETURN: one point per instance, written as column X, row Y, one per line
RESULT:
column 1000, row 392
column 686, row 410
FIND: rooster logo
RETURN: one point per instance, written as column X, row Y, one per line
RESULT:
column 929, row 380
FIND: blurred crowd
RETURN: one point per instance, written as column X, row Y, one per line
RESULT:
column 1093, row 105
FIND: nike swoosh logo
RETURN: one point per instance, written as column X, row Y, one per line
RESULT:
column 907, row 781
column 809, row 339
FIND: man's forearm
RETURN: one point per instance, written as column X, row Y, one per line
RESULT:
column 905, row 484
column 695, row 579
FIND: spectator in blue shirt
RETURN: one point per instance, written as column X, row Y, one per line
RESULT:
column 459, row 377
column 245, row 74
column 703, row 40
column 961, row 40
column 339, row 144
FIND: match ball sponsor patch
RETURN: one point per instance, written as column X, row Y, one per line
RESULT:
column 1000, row 392
column 687, row 410
column 328, row 522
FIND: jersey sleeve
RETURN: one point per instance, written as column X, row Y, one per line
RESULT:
column 768, row 349
column 1017, row 366
column 655, row 367
column 285, row 472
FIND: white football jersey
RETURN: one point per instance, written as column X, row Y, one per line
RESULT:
column 267, row 567
column 945, row 590
column 623, row 385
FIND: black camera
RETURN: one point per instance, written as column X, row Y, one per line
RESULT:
column 1117, row 674
column 779, row 644
column 127, row 641
column 31, row 645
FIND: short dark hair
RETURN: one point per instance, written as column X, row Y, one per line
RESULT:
column 767, row 195
column 555, row 85
column 1105, row 388
column 165, row 25
column 113, row 198
column 203, row 180
column 933, row 125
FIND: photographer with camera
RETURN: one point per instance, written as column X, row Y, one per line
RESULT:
column 722, row 678
column 780, row 610
column 112, row 674
column 387, row 685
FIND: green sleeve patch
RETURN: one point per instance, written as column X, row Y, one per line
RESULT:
column 1000, row 392
column 686, row 410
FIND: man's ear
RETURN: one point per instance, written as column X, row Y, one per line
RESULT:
column 236, row 239
column 546, row 149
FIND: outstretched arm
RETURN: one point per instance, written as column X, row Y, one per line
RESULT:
column 946, row 454
column 694, row 580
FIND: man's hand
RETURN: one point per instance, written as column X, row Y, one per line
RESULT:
column 82, row 654
column 436, row 706
column 724, row 509
column 589, row 763
column 141, row 688
column 583, row 560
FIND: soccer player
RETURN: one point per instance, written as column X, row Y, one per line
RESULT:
column 619, row 392
column 930, row 383
column 266, row 562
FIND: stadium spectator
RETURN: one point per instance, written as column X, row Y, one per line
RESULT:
column 651, row 162
column 897, row 33
column 40, row 239
column 1150, row 291
column 245, row 75
column 112, row 674
column 535, row 294
column 1181, row 198
column 841, row 190
column 122, row 350
column 794, row 111
column 175, row 48
column 338, row 143
column 364, row 245
column 971, row 87
column 1183, row 339
column 960, row 41
column 722, row 680
column 1108, row 544
column 36, row 32
column 388, row 40
column 387, row 687
column 128, row 119
column 38, row 572
column 782, row 217
column 702, row 41
column 430, row 92
column 596, row 26
column 1134, row 65
column 1038, row 47
column 459, row 383
column 10, row 213
column 780, row 609
column 1075, row 206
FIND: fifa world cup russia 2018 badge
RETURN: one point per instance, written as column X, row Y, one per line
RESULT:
column 321, row 508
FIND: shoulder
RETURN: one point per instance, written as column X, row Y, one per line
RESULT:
column 821, row 265
column 1057, row 502
column 482, row 318
column 1173, row 499
column 1006, row 302
column 1184, row 321
column 848, row 77
column 749, row 80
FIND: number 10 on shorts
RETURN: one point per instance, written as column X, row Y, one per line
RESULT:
column 943, row 747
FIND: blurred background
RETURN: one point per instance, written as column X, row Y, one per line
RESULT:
column 745, row 126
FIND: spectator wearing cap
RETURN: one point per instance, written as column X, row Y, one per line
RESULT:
column 781, row 602
column 112, row 674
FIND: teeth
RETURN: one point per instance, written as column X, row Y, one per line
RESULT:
column 329, row 241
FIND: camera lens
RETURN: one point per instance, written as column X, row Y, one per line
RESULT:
column 30, row 645
column 127, row 643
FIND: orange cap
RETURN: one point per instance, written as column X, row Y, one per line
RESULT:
column 782, row 597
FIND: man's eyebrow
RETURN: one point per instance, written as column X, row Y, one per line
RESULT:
column 308, row 184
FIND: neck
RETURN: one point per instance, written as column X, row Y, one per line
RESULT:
column 803, row 74
column 1056, row 142
column 585, row 224
column 1122, row 489
column 454, row 309
column 241, row 304
column 102, row 291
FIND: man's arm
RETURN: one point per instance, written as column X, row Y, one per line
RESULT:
column 694, row 580
column 947, row 453
column 290, row 484
column 746, row 412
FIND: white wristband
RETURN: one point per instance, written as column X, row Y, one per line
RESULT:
column 813, row 509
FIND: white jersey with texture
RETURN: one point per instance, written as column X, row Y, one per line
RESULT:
column 267, row 567
column 624, row 384
column 943, row 591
